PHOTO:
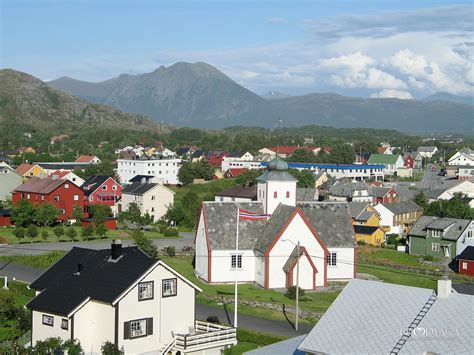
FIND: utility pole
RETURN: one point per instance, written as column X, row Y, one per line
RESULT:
column 297, row 284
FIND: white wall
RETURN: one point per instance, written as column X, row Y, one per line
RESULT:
column 306, row 274
column 281, row 188
column 221, row 266
column 42, row 332
column 156, row 201
column 461, row 159
column 296, row 230
column 260, row 269
column 94, row 324
column 164, row 170
column 201, row 267
column 464, row 240
column 344, row 268
column 239, row 164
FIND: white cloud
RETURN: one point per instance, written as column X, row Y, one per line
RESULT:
column 354, row 62
column 377, row 79
column 409, row 63
column 389, row 93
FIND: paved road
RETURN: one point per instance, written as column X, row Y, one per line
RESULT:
column 186, row 239
column 282, row 328
column 430, row 180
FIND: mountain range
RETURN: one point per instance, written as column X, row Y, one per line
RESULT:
column 199, row 95
column 27, row 100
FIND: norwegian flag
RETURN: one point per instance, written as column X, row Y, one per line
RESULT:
column 252, row 216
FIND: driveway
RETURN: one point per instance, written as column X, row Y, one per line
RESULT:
column 186, row 239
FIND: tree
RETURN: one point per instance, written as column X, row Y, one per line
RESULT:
column 32, row 232
column 305, row 177
column 100, row 213
column 342, row 154
column 248, row 178
column 133, row 215
column 46, row 214
column 23, row 213
column 144, row 243
column 169, row 251
column 101, row 230
column 77, row 214
column 87, row 232
column 19, row 232
column 303, row 156
column 73, row 347
column 186, row 173
column 58, row 231
column 456, row 207
column 71, row 233
column 44, row 234
column 111, row 349
column 420, row 199
column 203, row 170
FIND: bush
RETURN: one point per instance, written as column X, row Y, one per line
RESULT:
column 392, row 239
column 110, row 349
column 171, row 232
column 247, row 336
column 429, row 258
column 169, row 251
column 291, row 293
column 7, row 306
column 213, row 319
column 361, row 242
column 19, row 232
column 58, row 231
column 32, row 231
column 44, row 234
column 71, row 233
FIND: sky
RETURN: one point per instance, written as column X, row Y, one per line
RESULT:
column 405, row 49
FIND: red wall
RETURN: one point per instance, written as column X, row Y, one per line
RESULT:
column 96, row 195
column 5, row 221
column 409, row 163
column 66, row 198
column 470, row 267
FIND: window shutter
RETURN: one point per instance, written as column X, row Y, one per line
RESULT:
column 126, row 330
column 149, row 326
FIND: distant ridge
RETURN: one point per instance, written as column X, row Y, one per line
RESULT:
column 199, row 95
column 444, row 96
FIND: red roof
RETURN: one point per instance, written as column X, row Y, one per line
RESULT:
column 22, row 169
column 381, row 150
column 236, row 172
column 59, row 174
column 85, row 158
column 40, row 185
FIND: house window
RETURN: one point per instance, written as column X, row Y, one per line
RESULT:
column 56, row 198
column 28, row 196
column 153, row 198
column 63, row 211
column 66, row 186
column 48, row 320
column 169, row 287
column 434, row 246
column 464, row 265
column 331, row 259
column 288, row 194
column 153, row 209
column 64, row 324
column 236, row 261
column 76, row 197
column 436, row 233
column 145, row 291
column 114, row 187
column 138, row 328
column 104, row 187
column 275, row 194
column 43, row 198
column 470, row 234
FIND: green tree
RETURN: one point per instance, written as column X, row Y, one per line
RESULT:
column 32, row 232
column 77, row 214
column 48, row 346
column 71, row 233
column 46, row 214
column 109, row 348
column 248, row 178
column 87, row 232
column 44, row 234
column 101, row 230
column 342, row 154
column 100, row 213
column 73, row 347
column 305, row 177
column 456, row 207
column 420, row 199
column 303, row 156
column 203, row 170
column 23, row 213
column 144, row 243
column 133, row 215
column 186, row 173
column 58, row 231
column 19, row 232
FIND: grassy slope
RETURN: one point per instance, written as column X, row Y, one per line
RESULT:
column 204, row 191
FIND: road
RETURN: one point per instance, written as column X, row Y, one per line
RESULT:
column 281, row 328
column 430, row 180
column 186, row 239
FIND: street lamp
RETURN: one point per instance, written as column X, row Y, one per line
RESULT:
column 297, row 278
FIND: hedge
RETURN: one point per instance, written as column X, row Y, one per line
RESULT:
column 249, row 336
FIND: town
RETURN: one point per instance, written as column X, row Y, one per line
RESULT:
column 276, row 223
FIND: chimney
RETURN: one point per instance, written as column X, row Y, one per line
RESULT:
column 444, row 288
column 79, row 269
column 116, row 251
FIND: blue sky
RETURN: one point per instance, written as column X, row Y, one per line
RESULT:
column 403, row 49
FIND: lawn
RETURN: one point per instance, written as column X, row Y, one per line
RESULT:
column 204, row 191
column 394, row 276
column 7, row 234
column 389, row 257
column 37, row 261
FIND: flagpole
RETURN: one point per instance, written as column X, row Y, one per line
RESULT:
column 236, row 264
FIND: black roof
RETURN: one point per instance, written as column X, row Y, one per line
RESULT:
column 467, row 254
column 181, row 151
column 137, row 188
column 100, row 279
column 358, row 229
column 93, row 183
column 138, row 178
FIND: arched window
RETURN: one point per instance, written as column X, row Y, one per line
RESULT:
column 288, row 194
column 275, row 194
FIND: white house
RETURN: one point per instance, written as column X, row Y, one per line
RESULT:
column 427, row 151
column 267, row 249
column 122, row 296
column 391, row 161
column 347, row 191
column 68, row 175
column 464, row 156
column 151, row 198
column 164, row 170
column 398, row 217
column 92, row 159
column 235, row 157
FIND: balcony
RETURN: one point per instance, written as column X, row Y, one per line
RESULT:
column 205, row 336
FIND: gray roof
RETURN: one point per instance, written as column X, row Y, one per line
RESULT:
column 138, row 188
column 285, row 347
column 332, row 221
column 221, row 220
column 369, row 324
column 275, row 224
column 379, row 191
column 402, row 207
column 306, row 194
column 455, row 230
column 356, row 208
column 433, row 193
column 364, row 216
column 346, row 189
column 405, row 193
column 426, row 149
column 291, row 259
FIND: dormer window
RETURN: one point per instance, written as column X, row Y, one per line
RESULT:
column 436, row 233
column 145, row 291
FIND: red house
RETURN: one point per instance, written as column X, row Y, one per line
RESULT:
column 384, row 194
column 408, row 161
column 466, row 261
column 233, row 173
column 5, row 218
column 216, row 158
column 102, row 190
column 61, row 193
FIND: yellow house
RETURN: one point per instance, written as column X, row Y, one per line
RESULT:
column 150, row 151
column 28, row 170
column 366, row 222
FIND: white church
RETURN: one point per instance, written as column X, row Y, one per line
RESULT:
column 267, row 252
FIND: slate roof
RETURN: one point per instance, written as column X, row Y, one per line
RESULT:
column 291, row 259
column 467, row 254
column 367, row 230
column 402, row 207
column 275, row 224
column 306, row 194
column 100, row 279
column 457, row 226
column 346, row 189
column 183, row 150
column 235, row 154
column 433, row 193
column 379, row 191
column 137, row 188
column 239, row 192
column 285, row 347
column 364, row 216
column 93, row 183
column 63, row 165
column 356, row 208
column 368, row 324
column 426, row 149
column 138, row 178
column 221, row 220
column 383, row 158
column 40, row 185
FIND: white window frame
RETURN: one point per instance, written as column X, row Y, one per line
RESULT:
column 464, row 265
column 169, row 287
column 138, row 328
column 76, row 197
column 236, row 261
column 434, row 246
column 145, row 290
column 66, row 186
column 104, row 187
